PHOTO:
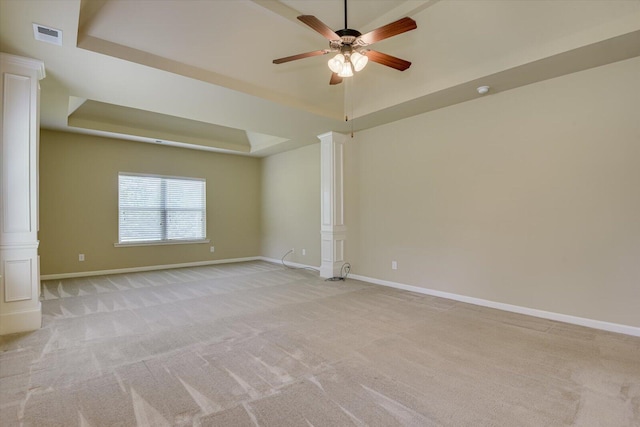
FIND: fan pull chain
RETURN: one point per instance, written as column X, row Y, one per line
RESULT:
column 352, row 92
column 345, row 99
column 348, row 102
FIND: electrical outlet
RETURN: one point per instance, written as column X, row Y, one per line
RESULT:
column 394, row 265
column 304, row 252
column 80, row 257
column 212, row 249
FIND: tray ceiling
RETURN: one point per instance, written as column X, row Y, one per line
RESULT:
column 198, row 74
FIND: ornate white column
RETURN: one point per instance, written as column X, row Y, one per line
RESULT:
column 20, row 274
column 332, row 228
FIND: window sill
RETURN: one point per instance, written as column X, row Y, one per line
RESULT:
column 161, row 243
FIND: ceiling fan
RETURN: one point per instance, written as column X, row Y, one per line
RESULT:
column 352, row 46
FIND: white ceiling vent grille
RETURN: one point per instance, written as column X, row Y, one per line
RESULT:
column 47, row 34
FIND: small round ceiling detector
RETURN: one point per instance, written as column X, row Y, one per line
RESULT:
column 483, row 89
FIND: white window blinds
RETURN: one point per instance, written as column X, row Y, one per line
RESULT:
column 158, row 209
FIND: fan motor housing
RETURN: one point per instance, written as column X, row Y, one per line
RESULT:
column 348, row 37
column 348, row 32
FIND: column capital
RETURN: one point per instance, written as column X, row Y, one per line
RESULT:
column 33, row 64
column 335, row 137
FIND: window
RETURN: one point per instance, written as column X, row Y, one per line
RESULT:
column 158, row 209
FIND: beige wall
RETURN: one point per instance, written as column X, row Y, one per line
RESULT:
column 529, row 197
column 291, row 205
column 79, row 202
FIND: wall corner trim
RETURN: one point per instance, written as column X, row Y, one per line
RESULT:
column 559, row 317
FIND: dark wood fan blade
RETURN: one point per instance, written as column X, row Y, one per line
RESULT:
column 393, row 29
column 319, row 26
column 388, row 60
column 335, row 79
column 301, row 56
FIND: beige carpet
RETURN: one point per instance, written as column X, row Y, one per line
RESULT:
column 254, row 344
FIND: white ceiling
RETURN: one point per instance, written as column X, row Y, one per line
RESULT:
column 198, row 73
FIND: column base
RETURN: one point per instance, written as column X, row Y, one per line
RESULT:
column 329, row 270
column 21, row 321
column 332, row 252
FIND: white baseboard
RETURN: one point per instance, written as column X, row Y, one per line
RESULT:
column 289, row 263
column 590, row 323
column 21, row 321
column 144, row 268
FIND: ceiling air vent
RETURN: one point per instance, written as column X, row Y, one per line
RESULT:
column 47, row 34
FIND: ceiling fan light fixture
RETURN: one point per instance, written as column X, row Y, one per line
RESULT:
column 347, row 70
column 336, row 63
column 351, row 46
column 359, row 61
